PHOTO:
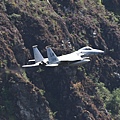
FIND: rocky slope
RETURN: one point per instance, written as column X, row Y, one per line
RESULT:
column 63, row 93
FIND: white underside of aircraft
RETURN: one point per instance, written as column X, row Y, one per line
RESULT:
column 75, row 58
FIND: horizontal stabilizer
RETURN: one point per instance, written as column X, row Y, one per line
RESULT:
column 32, row 65
column 33, row 60
column 52, row 65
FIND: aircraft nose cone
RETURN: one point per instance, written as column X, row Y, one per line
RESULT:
column 101, row 51
column 98, row 52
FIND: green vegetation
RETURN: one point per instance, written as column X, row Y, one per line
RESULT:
column 114, row 103
column 103, row 93
column 82, row 69
column 25, row 76
column 15, row 16
column 99, row 2
column 111, row 99
column 42, row 92
column 40, row 70
column 53, row 113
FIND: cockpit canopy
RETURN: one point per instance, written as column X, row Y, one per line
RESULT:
column 87, row 48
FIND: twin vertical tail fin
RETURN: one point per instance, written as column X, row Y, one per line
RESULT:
column 52, row 56
column 37, row 55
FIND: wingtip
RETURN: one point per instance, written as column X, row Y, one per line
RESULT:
column 23, row 66
column 49, row 46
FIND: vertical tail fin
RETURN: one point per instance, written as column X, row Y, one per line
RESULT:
column 37, row 55
column 51, row 56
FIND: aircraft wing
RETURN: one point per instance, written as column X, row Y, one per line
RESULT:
column 70, row 57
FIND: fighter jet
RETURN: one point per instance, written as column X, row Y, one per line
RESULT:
column 52, row 60
column 75, row 58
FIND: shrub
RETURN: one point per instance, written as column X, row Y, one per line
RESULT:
column 103, row 93
column 114, row 103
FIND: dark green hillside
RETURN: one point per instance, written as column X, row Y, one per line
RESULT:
column 112, row 5
column 88, row 92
